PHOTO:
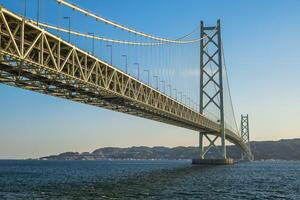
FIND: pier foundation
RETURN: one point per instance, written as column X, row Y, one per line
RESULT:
column 226, row 161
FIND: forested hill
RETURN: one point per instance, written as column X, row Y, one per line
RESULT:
column 288, row 149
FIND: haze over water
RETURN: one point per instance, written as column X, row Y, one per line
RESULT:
column 148, row 180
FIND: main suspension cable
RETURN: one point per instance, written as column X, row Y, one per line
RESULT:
column 117, row 25
column 225, row 67
column 57, row 28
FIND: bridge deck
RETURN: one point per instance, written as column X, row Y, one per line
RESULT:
column 34, row 59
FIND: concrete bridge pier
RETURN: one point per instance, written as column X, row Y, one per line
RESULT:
column 213, row 161
column 227, row 161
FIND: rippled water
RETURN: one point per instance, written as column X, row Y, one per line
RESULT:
column 148, row 180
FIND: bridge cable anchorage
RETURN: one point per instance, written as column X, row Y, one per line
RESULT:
column 61, row 29
column 125, row 28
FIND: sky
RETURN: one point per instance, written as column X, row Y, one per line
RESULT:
column 261, row 41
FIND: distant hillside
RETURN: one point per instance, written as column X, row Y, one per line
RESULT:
column 282, row 149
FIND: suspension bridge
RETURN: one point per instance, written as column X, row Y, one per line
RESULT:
column 57, row 60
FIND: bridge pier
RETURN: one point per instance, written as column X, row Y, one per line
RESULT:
column 227, row 161
column 203, row 151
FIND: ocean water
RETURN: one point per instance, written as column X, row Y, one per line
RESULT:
column 158, row 179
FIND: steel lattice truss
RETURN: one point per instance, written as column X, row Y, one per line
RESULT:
column 34, row 59
column 245, row 134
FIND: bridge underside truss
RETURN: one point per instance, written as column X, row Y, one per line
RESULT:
column 34, row 59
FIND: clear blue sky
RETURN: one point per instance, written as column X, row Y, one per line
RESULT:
column 261, row 41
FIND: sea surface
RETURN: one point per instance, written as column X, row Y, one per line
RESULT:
column 148, row 179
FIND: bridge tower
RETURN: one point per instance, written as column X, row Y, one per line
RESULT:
column 211, row 79
column 245, row 135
